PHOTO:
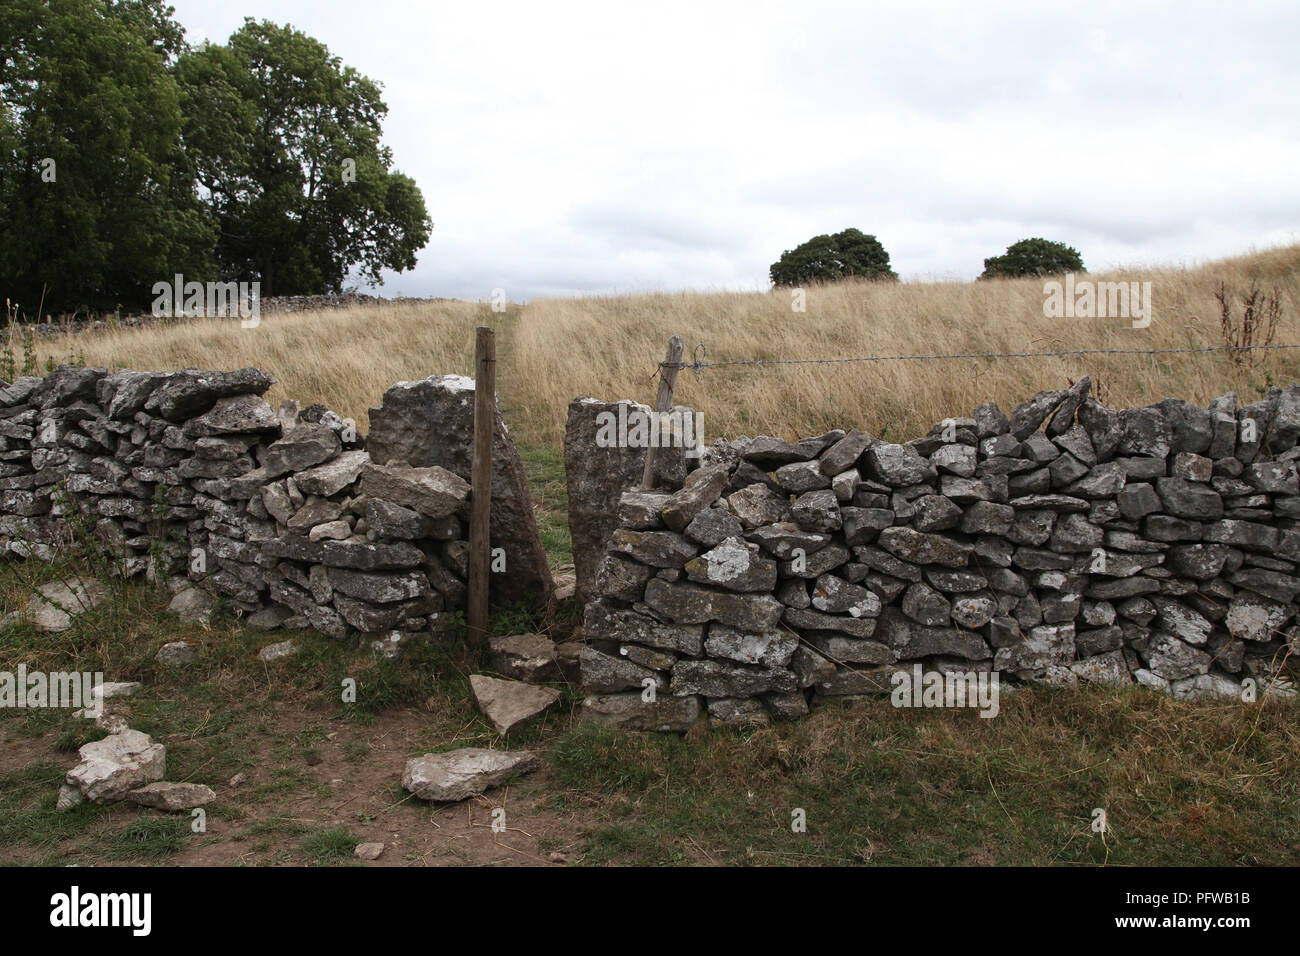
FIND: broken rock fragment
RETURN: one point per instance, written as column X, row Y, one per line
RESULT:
column 511, row 704
column 461, row 774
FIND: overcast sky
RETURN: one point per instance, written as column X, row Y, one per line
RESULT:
column 606, row 147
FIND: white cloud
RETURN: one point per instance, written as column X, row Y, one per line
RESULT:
column 599, row 147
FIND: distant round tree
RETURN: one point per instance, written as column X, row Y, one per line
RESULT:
column 830, row 258
column 1033, row 257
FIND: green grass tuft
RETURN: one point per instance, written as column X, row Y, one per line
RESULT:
column 326, row 846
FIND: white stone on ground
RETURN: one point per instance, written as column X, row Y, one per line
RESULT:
column 193, row 605
column 465, row 773
column 274, row 652
column 118, row 763
column 53, row 606
column 510, row 704
column 166, row 795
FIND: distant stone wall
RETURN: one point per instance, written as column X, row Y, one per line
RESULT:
column 268, row 305
column 191, row 478
column 1066, row 542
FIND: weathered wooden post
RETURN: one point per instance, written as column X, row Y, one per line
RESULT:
column 663, row 403
column 480, row 536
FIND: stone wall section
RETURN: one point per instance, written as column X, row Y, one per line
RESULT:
column 597, row 472
column 192, row 479
column 1066, row 542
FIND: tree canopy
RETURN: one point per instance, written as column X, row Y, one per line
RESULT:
column 828, row 258
column 91, row 172
column 285, row 141
column 1033, row 257
column 127, row 156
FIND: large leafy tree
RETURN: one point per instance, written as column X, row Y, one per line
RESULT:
column 828, row 258
column 98, row 203
column 285, row 143
column 1033, row 257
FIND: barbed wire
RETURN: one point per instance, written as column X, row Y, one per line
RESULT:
column 698, row 364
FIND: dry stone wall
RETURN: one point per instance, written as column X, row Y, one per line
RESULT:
column 597, row 472
column 1064, row 542
column 191, row 478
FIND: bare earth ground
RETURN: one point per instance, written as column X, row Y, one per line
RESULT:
column 362, row 796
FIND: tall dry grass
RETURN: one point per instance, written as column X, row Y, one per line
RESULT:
column 609, row 347
column 345, row 358
column 554, row 349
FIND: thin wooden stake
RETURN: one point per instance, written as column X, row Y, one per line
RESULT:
column 663, row 403
column 480, row 532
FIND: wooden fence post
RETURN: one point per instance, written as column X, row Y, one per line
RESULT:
column 663, row 403
column 480, row 538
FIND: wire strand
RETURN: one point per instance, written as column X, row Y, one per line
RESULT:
column 698, row 364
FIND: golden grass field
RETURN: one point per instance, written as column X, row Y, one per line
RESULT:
column 553, row 349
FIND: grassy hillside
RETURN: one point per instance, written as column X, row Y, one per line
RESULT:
column 608, row 347
column 554, row 349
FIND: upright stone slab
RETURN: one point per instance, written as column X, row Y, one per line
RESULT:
column 431, row 422
column 598, row 473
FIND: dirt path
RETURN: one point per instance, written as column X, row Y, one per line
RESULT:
column 261, row 822
column 363, row 798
